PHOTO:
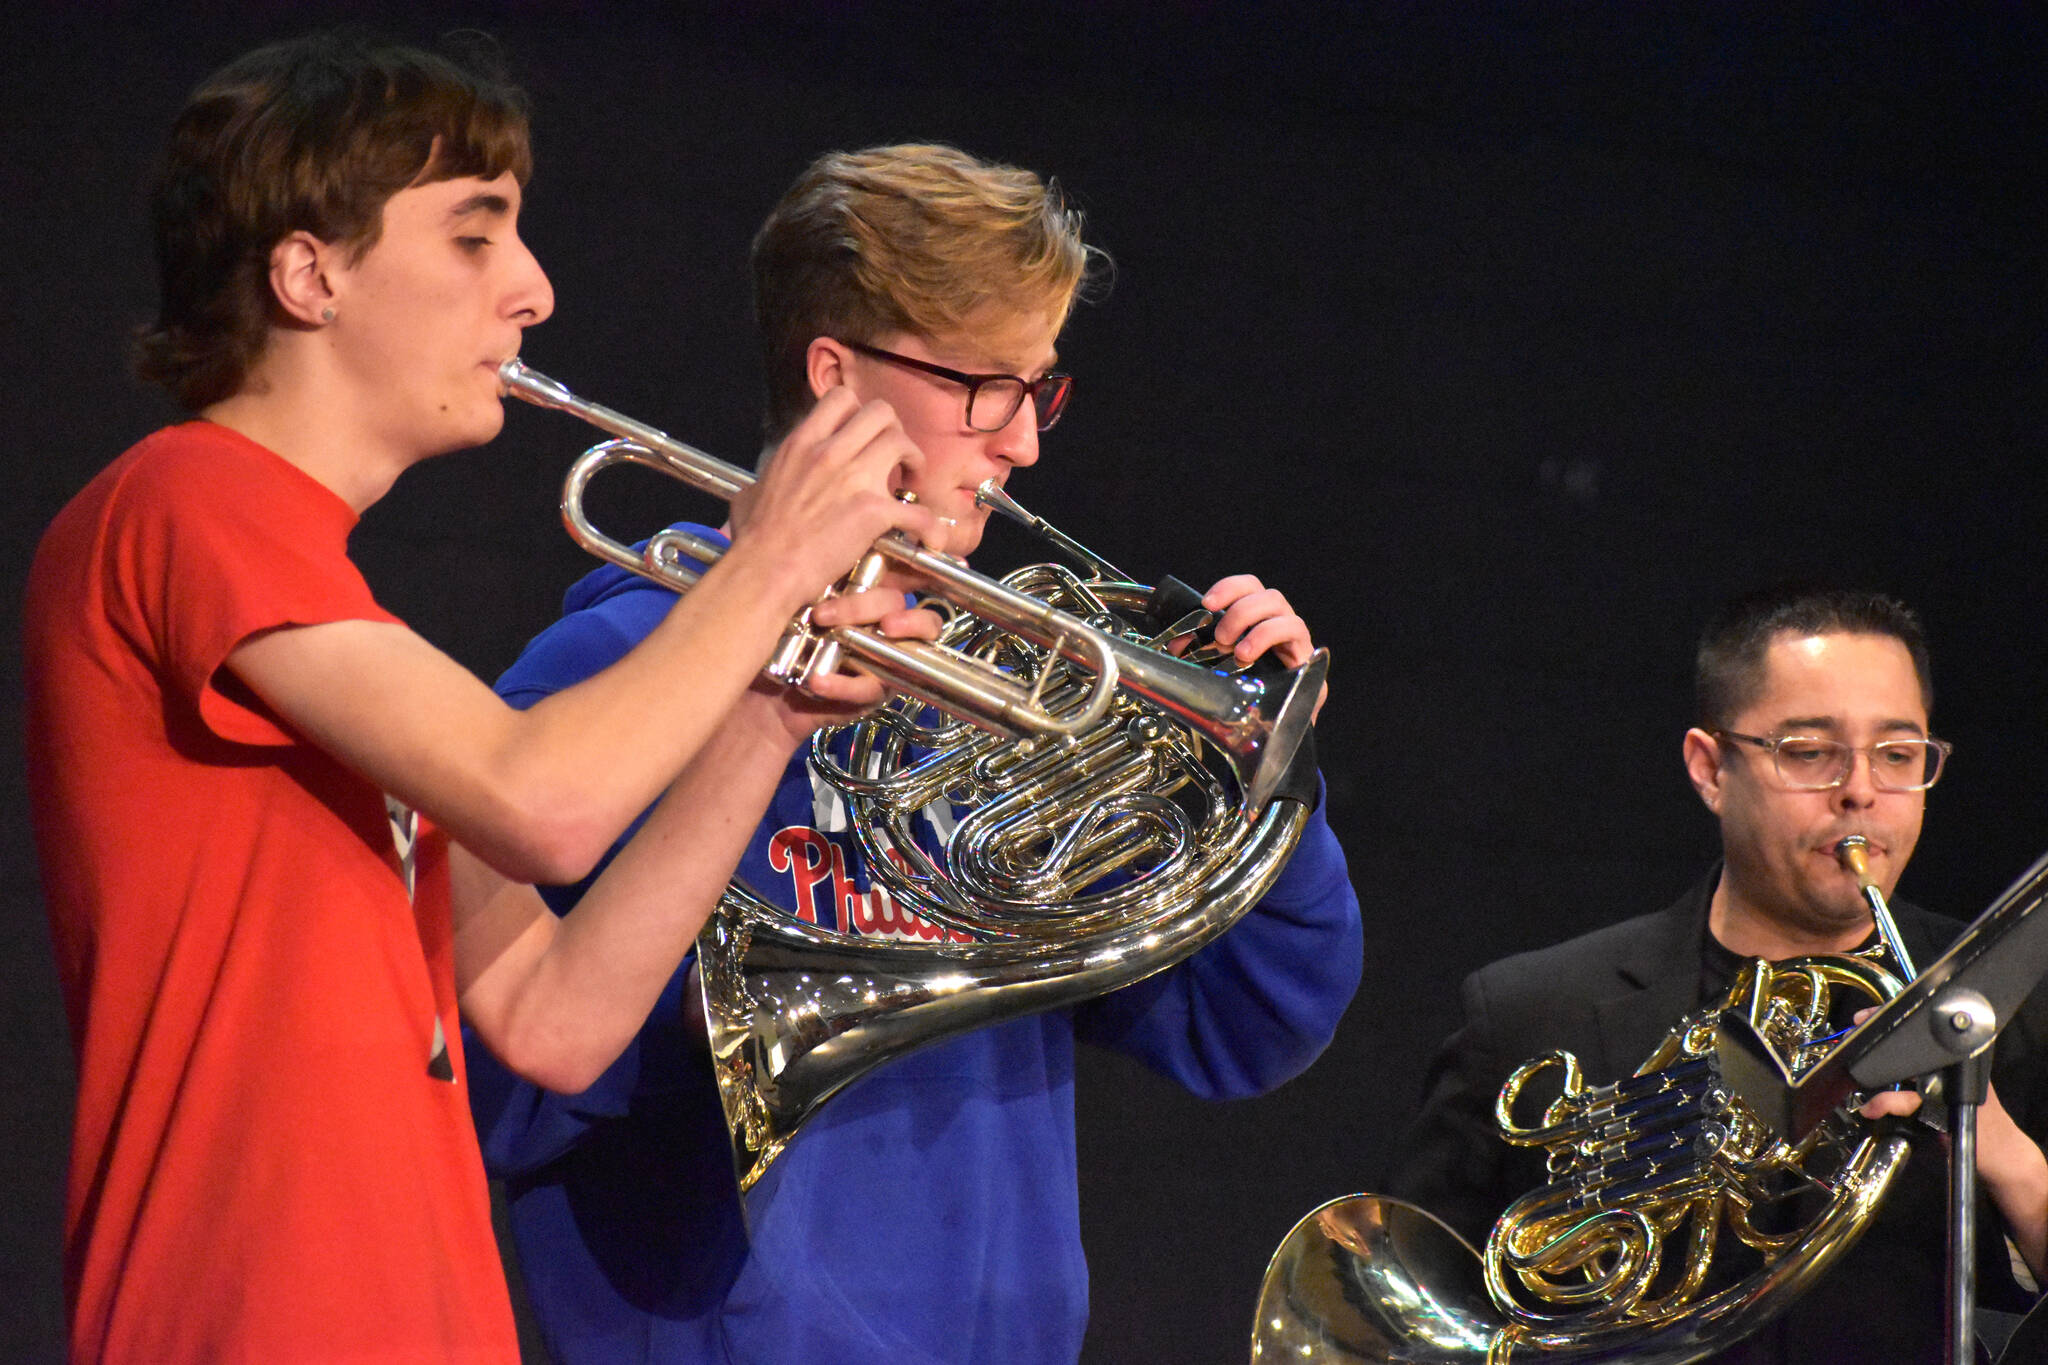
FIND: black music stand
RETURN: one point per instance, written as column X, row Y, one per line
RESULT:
column 1942, row 1024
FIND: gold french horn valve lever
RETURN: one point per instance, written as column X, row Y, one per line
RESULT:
column 1256, row 724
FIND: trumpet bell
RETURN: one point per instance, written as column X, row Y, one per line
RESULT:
column 1252, row 721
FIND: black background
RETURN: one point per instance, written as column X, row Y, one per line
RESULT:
column 1510, row 340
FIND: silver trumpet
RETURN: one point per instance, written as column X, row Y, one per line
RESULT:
column 1257, row 724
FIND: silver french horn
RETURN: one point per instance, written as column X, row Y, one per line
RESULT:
column 1122, row 805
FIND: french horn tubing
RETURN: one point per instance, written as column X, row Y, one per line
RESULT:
column 1853, row 853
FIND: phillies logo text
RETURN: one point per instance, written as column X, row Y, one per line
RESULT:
column 817, row 867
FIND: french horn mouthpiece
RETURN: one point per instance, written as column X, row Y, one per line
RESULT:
column 1853, row 854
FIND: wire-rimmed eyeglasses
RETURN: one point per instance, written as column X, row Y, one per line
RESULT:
column 992, row 399
column 1808, row 763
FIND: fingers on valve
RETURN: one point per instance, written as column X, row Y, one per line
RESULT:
column 1227, row 591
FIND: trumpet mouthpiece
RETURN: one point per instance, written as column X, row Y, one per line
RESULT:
column 1852, row 852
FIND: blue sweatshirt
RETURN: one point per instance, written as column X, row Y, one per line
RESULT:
column 928, row 1212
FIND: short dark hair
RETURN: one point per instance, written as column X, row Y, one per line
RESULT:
column 312, row 134
column 917, row 238
column 1728, row 671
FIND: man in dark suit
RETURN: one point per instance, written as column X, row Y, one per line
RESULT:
column 1813, row 709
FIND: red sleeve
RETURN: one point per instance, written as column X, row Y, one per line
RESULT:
column 220, row 540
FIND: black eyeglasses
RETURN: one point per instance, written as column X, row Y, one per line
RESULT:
column 992, row 399
column 1808, row 764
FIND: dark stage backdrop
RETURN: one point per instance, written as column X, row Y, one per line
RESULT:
column 1509, row 340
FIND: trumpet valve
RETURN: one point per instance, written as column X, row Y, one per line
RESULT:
column 789, row 664
column 824, row 657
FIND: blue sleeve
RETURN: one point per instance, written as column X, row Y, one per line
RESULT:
column 520, row 1125
column 1255, row 1007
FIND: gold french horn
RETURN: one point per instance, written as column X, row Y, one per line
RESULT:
column 1675, row 1221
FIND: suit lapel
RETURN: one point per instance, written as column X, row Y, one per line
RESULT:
column 1657, row 979
column 1656, row 983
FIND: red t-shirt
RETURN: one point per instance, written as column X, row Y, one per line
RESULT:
column 263, row 1167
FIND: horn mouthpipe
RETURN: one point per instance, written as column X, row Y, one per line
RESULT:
column 1853, row 852
column 991, row 496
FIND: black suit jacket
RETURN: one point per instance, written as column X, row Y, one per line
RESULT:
column 1609, row 997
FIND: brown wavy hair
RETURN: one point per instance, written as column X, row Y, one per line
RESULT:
column 917, row 238
column 313, row 134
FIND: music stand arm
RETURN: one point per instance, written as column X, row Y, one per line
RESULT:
column 1964, row 1086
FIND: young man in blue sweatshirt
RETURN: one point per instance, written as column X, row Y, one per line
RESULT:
column 928, row 1213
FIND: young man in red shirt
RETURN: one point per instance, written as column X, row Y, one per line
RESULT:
column 273, row 1158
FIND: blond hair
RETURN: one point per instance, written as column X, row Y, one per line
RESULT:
column 919, row 238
